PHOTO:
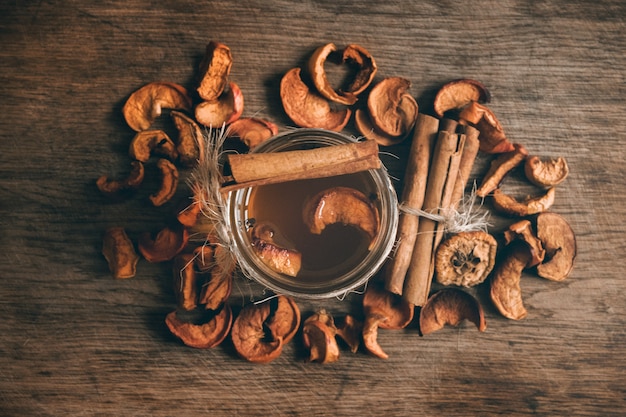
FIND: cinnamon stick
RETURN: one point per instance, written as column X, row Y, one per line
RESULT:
column 415, row 179
column 470, row 151
column 256, row 169
column 419, row 275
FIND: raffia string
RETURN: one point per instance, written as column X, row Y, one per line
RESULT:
column 464, row 219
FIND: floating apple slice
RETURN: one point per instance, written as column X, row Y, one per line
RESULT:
column 343, row 205
column 282, row 260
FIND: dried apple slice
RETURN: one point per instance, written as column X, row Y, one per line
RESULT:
column 546, row 173
column 450, row 306
column 506, row 293
column 343, row 205
column 214, row 70
column 365, row 126
column 391, row 108
column 354, row 54
column 225, row 110
column 307, row 108
column 458, row 94
column 559, row 242
column 149, row 142
column 280, row 259
column 492, row 138
column 507, row 204
column 146, row 104
column 252, row 131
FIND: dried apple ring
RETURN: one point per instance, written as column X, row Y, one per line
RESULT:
column 352, row 54
column 148, row 142
column 280, row 259
column 119, row 252
column 546, row 173
column 450, row 306
column 458, row 94
column 506, row 293
column 252, row 131
column 392, row 110
column 226, row 109
column 169, row 183
column 319, row 337
column 214, row 70
column 492, row 137
column 146, row 104
column 465, row 259
column 260, row 338
column 398, row 312
column 559, row 241
column 509, row 205
column 307, row 108
column 205, row 335
column 342, row 205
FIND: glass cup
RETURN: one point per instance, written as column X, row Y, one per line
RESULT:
column 327, row 281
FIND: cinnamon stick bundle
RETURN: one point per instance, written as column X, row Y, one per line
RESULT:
column 256, row 169
column 415, row 179
column 441, row 178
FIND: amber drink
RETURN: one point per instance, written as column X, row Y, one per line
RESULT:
column 340, row 258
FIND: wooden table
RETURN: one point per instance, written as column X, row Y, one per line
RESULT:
column 77, row 342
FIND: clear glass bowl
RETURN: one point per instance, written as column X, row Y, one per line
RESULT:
column 330, row 282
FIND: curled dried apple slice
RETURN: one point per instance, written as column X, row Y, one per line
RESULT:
column 458, row 94
column 307, row 108
column 278, row 258
column 343, row 205
column 226, row 109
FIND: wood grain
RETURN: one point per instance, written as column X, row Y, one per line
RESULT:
column 77, row 342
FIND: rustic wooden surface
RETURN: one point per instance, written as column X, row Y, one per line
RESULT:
column 77, row 342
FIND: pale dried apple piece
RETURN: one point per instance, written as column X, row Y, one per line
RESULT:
column 307, row 108
column 465, row 258
column 546, row 173
column 169, row 183
column 506, row 293
column 190, row 141
column 392, row 110
column 119, row 252
column 226, row 109
column 450, row 306
column 207, row 334
column 252, row 131
column 118, row 187
column 523, row 231
column 364, row 125
column 214, row 70
column 146, row 104
column 457, row 94
column 559, row 241
column 280, row 259
column 508, row 204
column 500, row 167
column 343, row 205
column 492, row 137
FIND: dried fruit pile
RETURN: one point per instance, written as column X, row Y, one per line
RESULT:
column 203, row 269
